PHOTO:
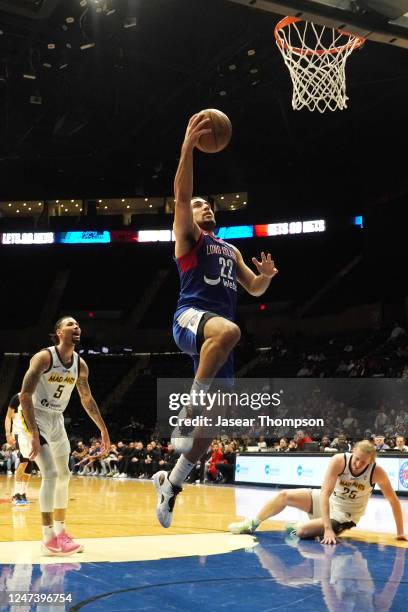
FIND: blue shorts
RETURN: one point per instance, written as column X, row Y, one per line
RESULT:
column 185, row 333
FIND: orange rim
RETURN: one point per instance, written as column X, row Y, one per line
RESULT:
column 356, row 41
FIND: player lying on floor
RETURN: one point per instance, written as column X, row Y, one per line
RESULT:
column 339, row 504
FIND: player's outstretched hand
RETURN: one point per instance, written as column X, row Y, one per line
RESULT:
column 329, row 537
column 198, row 125
column 266, row 266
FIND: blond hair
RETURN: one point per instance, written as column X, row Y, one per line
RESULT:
column 366, row 446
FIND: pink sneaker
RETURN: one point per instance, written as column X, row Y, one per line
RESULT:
column 52, row 547
column 68, row 545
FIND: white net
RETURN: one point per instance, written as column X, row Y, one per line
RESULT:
column 316, row 57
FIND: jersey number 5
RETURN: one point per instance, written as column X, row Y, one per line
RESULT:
column 59, row 391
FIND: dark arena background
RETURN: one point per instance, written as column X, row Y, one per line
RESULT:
column 95, row 97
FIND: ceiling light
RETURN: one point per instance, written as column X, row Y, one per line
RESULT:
column 251, row 52
column 57, row 201
column 222, row 93
column 76, row 205
column 9, row 204
column 70, row 20
column 47, row 65
column 123, row 199
column 29, row 208
column 72, row 201
column 25, row 204
column 232, row 206
column 17, row 211
column 105, row 207
column 128, row 206
column 222, row 197
column 87, row 46
column 253, row 70
column 39, row 204
column 99, row 200
column 232, row 67
column 146, row 199
column 31, row 77
column 150, row 205
column 51, row 46
column 237, row 196
column 63, row 66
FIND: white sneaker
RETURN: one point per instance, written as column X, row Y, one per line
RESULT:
column 166, row 497
column 182, row 437
column 246, row 526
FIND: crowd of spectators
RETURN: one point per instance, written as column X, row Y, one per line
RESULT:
column 138, row 460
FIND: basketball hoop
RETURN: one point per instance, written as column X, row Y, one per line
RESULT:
column 316, row 57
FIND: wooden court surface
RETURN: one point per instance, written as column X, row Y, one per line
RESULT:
column 114, row 508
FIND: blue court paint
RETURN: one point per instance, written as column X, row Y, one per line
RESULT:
column 278, row 574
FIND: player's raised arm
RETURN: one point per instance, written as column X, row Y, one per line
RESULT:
column 255, row 284
column 380, row 477
column 91, row 406
column 336, row 466
column 39, row 363
column 184, row 226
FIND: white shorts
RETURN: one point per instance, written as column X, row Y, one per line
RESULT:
column 336, row 514
column 52, row 429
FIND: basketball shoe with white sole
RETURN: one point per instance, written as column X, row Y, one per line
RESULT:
column 166, row 497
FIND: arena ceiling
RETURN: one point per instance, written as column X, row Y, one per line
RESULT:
column 95, row 96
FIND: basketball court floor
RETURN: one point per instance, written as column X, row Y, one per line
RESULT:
column 131, row 563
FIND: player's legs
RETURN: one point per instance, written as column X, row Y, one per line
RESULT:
column 22, row 478
column 54, row 490
column 310, row 529
column 296, row 498
column 220, row 338
column 60, row 449
column 214, row 340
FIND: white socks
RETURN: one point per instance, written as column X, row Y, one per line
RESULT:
column 48, row 533
column 59, row 527
column 180, row 471
column 18, row 487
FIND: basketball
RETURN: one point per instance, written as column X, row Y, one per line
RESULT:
column 221, row 131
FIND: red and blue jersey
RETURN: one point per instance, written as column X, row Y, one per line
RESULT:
column 208, row 277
